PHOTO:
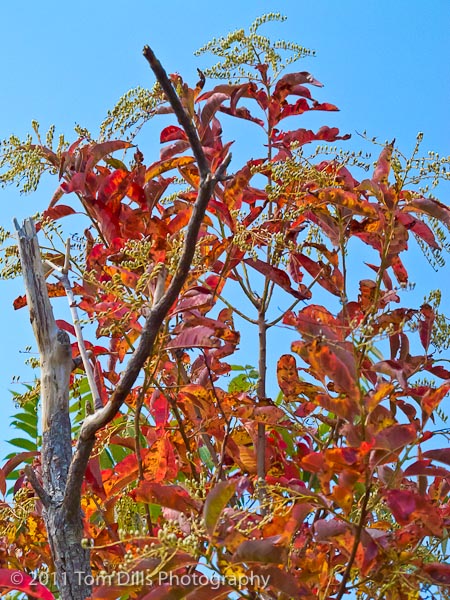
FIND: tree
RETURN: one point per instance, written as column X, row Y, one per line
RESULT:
column 185, row 478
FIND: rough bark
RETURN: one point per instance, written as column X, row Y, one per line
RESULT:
column 64, row 529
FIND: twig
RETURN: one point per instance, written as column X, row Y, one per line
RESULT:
column 137, row 440
column 343, row 586
column 42, row 494
column 62, row 274
column 261, row 392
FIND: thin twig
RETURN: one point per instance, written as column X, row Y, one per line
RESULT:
column 137, row 440
column 343, row 586
column 62, row 274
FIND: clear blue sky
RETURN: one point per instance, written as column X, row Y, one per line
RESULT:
column 384, row 63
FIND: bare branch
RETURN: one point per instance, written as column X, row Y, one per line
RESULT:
column 183, row 118
column 41, row 314
column 159, row 311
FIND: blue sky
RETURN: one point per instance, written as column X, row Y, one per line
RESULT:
column 384, row 63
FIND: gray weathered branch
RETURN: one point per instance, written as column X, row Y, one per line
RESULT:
column 64, row 530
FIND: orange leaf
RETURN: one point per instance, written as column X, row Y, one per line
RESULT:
column 288, row 378
column 433, row 398
column 166, row 165
column 159, row 463
column 234, row 191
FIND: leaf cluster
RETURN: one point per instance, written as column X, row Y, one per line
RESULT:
column 310, row 466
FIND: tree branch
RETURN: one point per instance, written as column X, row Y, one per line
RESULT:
column 42, row 494
column 183, row 118
column 41, row 314
column 159, row 311
column 62, row 274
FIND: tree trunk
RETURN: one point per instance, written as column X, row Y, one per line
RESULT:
column 64, row 527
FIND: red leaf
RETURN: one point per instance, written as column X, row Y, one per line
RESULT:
column 383, row 166
column 278, row 276
column 242, row 113
column 287, row 375
column 175, row 148
column 266, row 551
column 13, row 462
column 290, row 80
column 301, row 106
column 57, row 212
column 77, row 183
column 160, row 167
column 93, row 477
column 211, row 107
column 18, row 580
column 304, row 136
column 318, row 270
column 438, row 572
column 426, row 325
column 2, row 482
column 64, row 325
column 234, row 190
column 20, row 302
column 159, row 408
column 216, row 501
column 171, row 496
column 99, row 151
column 419, row 228
column 194, row 298
column 54, row 290
column 113, row 189
column 194, row 337
column 171, row 133
column 220, row 210
column 396, row 437
column 314, row 321
column 402, row 504
column 333, row 361
column 424, row 467
column 442, row 455
column 439, row 371
column 430, row 207
column 400, row 272
column 339, row 197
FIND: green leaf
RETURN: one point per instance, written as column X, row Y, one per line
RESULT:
column 239, row 384
column 115, row 163
column 215, row 502
column 22, row 443
column 106, row 460
column 28, row 429
column 279, row 399
column 205, row 457
column 27, row 417
column 118, row 453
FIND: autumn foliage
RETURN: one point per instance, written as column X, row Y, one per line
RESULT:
column 314, row 460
